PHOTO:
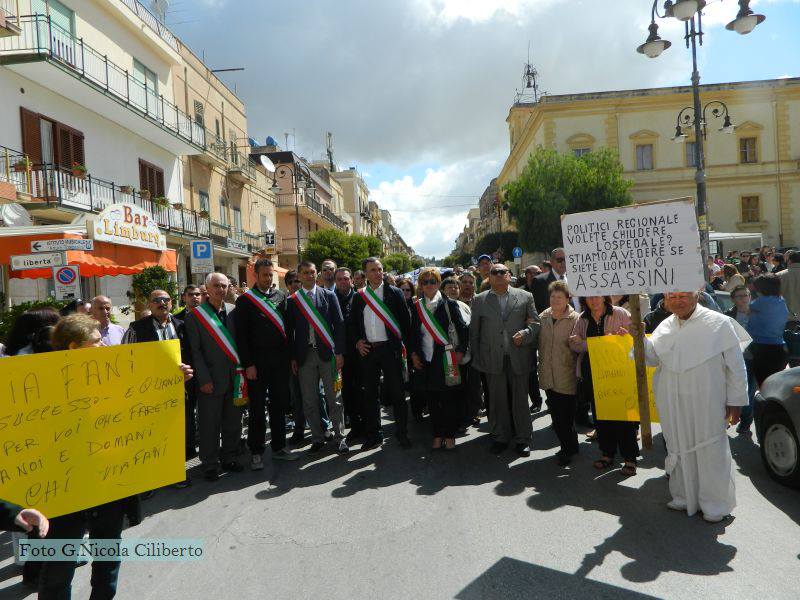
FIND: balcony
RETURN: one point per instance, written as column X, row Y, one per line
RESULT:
column 9, row 18
column 15, row 173
column 255, row 242
column 309, row 208
column 52, row 189
column 153, row 23
column 288, row 245
column 240, row 169
column 54, row 58
column 237, row 240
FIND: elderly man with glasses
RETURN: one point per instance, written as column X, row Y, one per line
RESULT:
column 328, row 274
column 503, row 329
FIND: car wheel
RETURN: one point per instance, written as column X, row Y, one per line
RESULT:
column 780, row 450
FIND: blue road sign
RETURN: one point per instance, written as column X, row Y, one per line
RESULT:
column 201, row 249
column 516, row 252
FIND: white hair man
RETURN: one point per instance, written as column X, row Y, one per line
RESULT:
column 700, row 386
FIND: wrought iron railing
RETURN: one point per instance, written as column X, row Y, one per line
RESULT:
column 43, row 37
column 288, row 199
column 239, row 162
column 15, row 169
column 152, row 22
column 220, row 230
column 59, row 185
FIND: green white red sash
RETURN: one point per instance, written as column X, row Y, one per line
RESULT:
column 379, row 308
column 220, row 334
column 266, row 306
column 439, row 336
column 316, row 320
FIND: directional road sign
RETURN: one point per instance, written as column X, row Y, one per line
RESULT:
column 61, row 245
column 516, row 252
column 37, row 261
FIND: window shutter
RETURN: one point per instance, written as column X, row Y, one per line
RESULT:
column 151, row 178
column 69, row 146
column 31, row 136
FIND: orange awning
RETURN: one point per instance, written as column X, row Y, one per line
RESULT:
column 105, row 259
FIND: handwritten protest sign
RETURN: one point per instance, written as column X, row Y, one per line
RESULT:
column 614, row 379
column 84, row 427
column 649, row 248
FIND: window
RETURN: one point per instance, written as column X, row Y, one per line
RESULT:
column 747, row 150
column 644, row 157
column 151, row 178
column 581, row 151
column 264, row 224
column 203, row 197
column 146, row 77
column 47, row 141
column 237, row 219
column 751, row 209
column 691, row 157
column 223, row 210
column 199, row 113
column 216, row 127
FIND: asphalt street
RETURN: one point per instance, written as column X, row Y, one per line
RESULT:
column 396, row 523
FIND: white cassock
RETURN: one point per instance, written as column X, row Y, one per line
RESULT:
column 700, row 372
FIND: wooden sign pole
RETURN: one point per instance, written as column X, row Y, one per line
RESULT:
column 641, row 373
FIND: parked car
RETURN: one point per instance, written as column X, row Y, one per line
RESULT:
column 777, row 418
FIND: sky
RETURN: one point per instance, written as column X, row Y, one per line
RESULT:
column 416, row 92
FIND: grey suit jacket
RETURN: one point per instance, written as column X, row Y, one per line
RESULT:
column 210, row 363
column 487, row 327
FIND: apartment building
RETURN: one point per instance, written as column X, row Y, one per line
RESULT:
column 752, row 173
column 356, row 199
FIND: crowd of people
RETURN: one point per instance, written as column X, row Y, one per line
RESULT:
column 333, row 347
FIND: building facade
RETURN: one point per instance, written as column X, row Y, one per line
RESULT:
column 356, row 199
column 752, row 173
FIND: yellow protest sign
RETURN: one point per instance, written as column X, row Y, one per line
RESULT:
column 614, row 379
column 83, row 427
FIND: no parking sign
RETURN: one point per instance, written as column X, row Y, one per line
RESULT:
column 67, row 282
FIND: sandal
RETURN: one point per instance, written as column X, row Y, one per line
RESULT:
column 629, row 469
column 437, row 444
column 602, row 463
column 450, row 443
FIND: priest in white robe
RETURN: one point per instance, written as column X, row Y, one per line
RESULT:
column 700, row 386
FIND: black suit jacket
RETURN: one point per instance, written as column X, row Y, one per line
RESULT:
column 258, row 340
column 541, row 297
column 395, row 301
column 8, row 512
column 145, row 332
column 346, row 304
column 297, row 325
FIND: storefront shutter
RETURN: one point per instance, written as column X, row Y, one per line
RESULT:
column 31, row 136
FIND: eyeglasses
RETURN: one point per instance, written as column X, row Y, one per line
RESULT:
column 498, row 271
column 560, row 260
column 161, row 300
column 427, row 281
column 328, row 269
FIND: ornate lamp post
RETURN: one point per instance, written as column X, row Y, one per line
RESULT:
column 690, row 12
column 301, row 183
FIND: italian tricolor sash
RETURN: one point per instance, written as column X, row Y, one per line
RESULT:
column 266, row 306
column 316, row 320
column 379, row 308
column 450, row 364
column 220, row 334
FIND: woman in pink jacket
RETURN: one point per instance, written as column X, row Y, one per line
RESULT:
column 600, row 317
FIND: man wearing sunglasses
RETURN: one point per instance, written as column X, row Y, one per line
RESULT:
column 542, row 282
column 503, row 329
column 328, row 274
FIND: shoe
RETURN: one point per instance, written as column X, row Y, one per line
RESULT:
column 316, row 447
column 713, row 518
column 676, row 505
column 256, row 462
column 181, row 485
column 449, row 444
column 369, row 444
column 297, row 437
column 191, row 453
column 535, row 408
column 404, row 441
column 352, row 437
column 498, row 448
column 282, row 454
column 563, row 459
column 329, row 435
column 744, row 432
column 343, row 447
column 211, row 474
column 523, row 450
column 233, row 467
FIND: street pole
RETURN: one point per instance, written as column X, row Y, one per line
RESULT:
column 296, row 215
column 699, row 155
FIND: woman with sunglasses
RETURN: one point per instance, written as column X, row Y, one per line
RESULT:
column 433, row 321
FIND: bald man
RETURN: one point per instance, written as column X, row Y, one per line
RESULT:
column 110, row 333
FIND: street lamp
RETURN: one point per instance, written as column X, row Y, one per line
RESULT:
column 691, row 13
column 302, row 183
column 687, row 118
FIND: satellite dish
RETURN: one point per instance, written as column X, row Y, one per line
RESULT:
column 13, row 215
column 267, row 163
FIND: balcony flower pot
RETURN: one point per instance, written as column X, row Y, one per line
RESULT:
column 160, row 202
column 144, row 194
column 126, row 189
column 203, row 214
column 177, row 205
column 78, row 171
column 21, row 166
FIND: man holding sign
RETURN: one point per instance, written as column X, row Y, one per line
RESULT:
column 700, row 386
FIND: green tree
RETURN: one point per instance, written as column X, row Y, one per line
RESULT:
column 417, row 262
column 501, row 243
column 457, row 258
column 400, row 263
column 142, row 284
column 554, row 184
column 346, row 250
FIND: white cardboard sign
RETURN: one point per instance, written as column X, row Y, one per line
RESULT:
column 641, row 248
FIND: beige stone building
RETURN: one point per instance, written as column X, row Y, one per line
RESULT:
column 356, row 199
column 752, row 173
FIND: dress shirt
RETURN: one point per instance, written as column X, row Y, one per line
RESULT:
column 165, row 331
column 502, row 300
column 427, row 339
column 373, row 326
column 312, row 294
column 112, row 334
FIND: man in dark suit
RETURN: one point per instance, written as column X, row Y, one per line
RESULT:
column 531, row 272
column 351, row 371
column 191, row 297
column 216, row 374
column 160, row 325
column 380, row 342
column 14, row 517
column 541, row 295
column 317, row 339
column 264, row 353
